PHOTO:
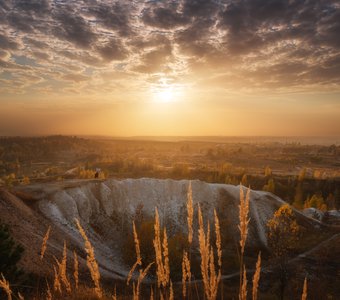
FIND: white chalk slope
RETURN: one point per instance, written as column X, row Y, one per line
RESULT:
column 106, row 208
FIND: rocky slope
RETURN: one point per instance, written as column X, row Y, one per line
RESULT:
column 106, row 210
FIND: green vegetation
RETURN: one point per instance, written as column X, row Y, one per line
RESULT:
column 10, row 254
column 274, row 167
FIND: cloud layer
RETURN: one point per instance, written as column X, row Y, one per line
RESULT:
column 246, row 44
column 118, row 50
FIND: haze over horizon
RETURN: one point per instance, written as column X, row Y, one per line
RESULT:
column 170, row 68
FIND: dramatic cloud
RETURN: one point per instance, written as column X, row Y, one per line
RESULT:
column 236, row 46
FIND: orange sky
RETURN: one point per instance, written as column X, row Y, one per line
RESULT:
column 185, row 67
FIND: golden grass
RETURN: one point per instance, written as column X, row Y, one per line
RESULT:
column 210, row 278
column 186, row 273
column 304, row 292
column 190, row 210
column 48, row 292
column 44, row 243
column 243, row 227
column 91, row 261
column 142, row 273
column 4, row 284
column 114, row 296
column 63, row 271
column 151, row 294
column 139, row 259
column 243, row 291
column 243, row 217
column 171, row 296
column 162, row 254
column 136, row 287
column 256, row 278
column 218, row 239
column 20, row 297
column 56, row 282
column 76, row 270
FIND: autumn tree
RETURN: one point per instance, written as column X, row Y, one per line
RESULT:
column 316, row 201
column 270, row 186
column 282, row 234
column 268, row 171
column 298, row 197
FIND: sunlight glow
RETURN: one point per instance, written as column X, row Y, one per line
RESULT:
column 165, row 92
column 164, row 95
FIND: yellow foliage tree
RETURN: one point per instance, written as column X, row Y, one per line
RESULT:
column 317, row 202
column 282, row 234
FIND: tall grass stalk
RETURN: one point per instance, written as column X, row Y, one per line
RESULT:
column 136, row 287
column 171, row 296
column 210, row 278
column 218, row 247
column 256, row 277
column 114, row 296
column 20, row 297
column 4, row 284
column 91, row 261
column 138, row 256
column 243, row 227
column 44, row 243
column 304, row 293
column 243, row 291
column 48, row 292
column 190, row 218
column 151, row 294
column 76, row 270
column 190, row 210
column 63, row 270
column 162, row 254
column 186, row 273
column 56, row 282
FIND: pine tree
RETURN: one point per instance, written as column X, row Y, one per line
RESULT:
column 10, row 254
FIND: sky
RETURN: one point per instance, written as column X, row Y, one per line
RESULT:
column 179, row 67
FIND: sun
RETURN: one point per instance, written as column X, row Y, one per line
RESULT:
column 165, row 91
column 164, row 94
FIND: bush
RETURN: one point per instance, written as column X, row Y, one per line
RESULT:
column 10, row 254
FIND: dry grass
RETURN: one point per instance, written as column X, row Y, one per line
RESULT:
column 190, row 210
column 20, row 297
column 44, row 243
column 186, row 273
column 151, row 294
column 136, row 288
column 304, row 293
column 63, row 271
column 76, row 270
column 91, row 261
column 56, row 282
column 243, row 217
column 139, row 259
column 171, row 296
column 210, row 278
column 142, row 273
column 243, row 227
column 162, row 254
column 256, row 278
column 243, row 291
column 218, row 239
column 114, row 296
column 48, row 292
column 4, row 284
